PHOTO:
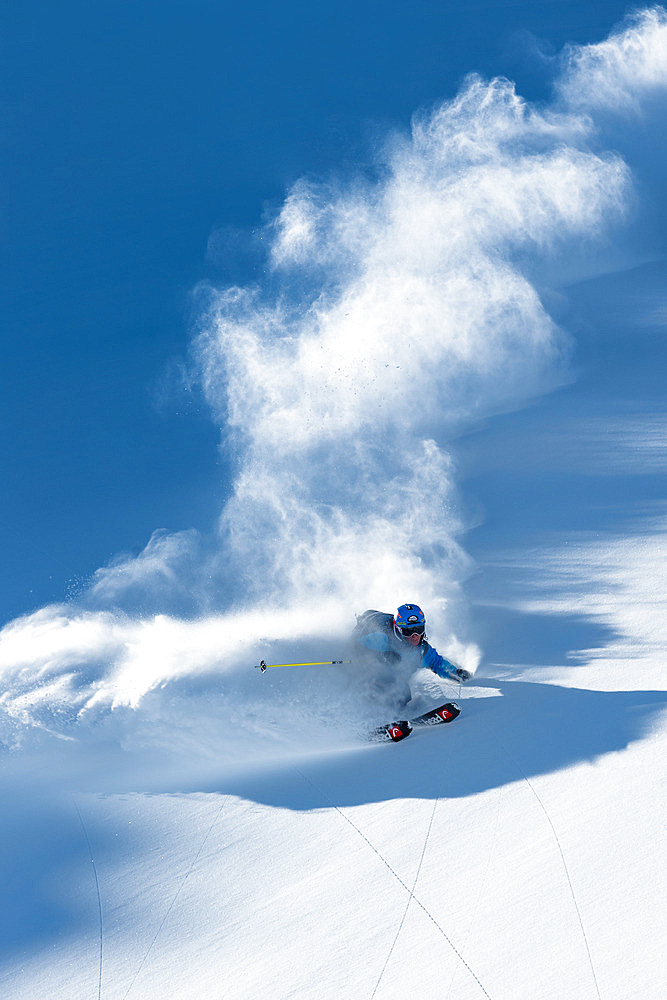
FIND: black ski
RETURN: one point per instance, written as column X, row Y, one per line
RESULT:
column 396, row 731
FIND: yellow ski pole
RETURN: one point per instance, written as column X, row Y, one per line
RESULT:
column 318, row 663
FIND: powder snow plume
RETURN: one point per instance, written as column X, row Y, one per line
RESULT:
column 397, row 312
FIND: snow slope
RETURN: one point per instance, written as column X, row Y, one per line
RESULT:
column 518, row 852
column 177, row 824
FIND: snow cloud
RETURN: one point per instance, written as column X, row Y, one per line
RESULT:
column 617, row 73
column 418, row 320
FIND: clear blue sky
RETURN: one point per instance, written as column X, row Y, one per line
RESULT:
column 132, row 131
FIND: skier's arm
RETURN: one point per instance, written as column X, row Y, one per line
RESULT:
column 379, row 643
column 443, row 667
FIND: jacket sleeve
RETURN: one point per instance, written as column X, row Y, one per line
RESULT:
column 377, row 641
column 438, row 664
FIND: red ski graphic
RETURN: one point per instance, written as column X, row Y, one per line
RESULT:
column 396, row 731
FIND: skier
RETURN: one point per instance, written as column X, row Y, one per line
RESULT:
column 393, row 638
column 396, row 646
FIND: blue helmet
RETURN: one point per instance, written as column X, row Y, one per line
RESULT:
column 410, row 623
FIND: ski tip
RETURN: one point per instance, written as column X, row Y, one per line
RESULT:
column 449, row 712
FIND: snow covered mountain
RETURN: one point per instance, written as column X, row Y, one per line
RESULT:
column 457, row 398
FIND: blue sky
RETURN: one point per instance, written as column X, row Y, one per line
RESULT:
column 143, row 143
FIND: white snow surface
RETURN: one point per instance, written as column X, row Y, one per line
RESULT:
column 177, row 824
column 518, row 852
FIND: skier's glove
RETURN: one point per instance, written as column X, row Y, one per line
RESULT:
column 462, row 675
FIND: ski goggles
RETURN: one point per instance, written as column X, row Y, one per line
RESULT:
column 413, row 633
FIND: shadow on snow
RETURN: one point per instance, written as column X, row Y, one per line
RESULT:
column 532, row 728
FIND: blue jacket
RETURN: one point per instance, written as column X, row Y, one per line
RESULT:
column 375, row 631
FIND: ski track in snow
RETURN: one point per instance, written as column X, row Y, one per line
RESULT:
column 566, row 870
column 176, row 895
column 398, row 878
column 482, row 886
column 409, row 900
column 99, row 898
